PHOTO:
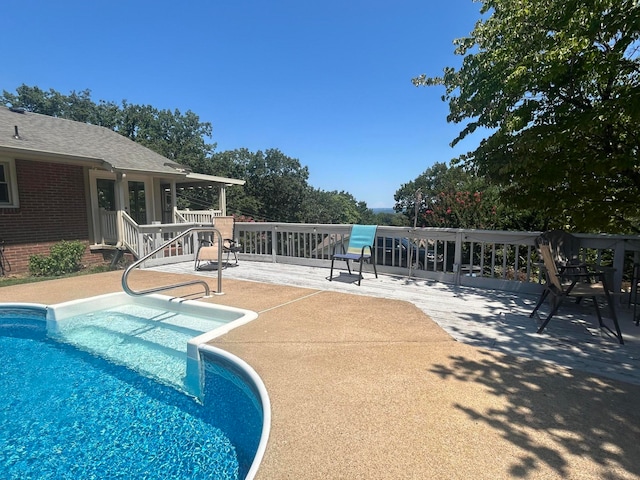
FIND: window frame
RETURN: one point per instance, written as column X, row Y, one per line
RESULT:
column 9, row 165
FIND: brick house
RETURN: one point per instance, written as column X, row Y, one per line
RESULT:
column 66, row 180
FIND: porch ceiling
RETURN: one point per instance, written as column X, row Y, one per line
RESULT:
column 197, row 179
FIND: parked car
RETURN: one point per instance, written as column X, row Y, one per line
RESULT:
column 395, row 251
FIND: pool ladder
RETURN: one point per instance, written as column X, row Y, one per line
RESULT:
column 207, row 290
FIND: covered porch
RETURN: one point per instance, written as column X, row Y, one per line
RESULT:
column 135, row 212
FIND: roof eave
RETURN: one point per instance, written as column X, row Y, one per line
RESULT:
column 40, row 155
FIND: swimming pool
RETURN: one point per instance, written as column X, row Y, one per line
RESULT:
column 69, row 413
column 156, row 335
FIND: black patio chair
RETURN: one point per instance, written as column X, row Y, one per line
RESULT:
column 577, row 288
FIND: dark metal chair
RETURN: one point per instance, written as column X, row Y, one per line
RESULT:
column 565, row 248
column 577, row 288
column 633, row 294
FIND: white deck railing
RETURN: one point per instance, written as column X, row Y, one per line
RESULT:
column 201, row 217
column 486, row 259
column 130, row 237
column 153, row 236
column 109, row 226
column 482, row 258
column 118, row 228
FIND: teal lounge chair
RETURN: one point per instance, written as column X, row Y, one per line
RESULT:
column 359, row 249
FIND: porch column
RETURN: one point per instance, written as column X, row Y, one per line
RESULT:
column 174, row 201
column 121, row 188
column 223, row 200
column 96, row 211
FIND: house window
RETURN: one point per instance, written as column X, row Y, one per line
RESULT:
column 8, row 184
column 106, row 194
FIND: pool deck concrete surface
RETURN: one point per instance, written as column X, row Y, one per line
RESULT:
column 370, row 387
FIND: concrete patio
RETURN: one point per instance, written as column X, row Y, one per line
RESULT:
column 403, row 378
column 488, row 319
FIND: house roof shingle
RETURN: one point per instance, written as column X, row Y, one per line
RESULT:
column 52, row 138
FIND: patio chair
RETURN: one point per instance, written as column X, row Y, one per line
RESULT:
column 359, row 249
column 577, row 289
column 209, row 249
column 565, row 248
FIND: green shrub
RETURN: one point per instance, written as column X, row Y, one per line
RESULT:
column 64, row 258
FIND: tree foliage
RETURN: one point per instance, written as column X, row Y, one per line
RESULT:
column 557, row 85
column 321, row 206
column 454, row 197
column 279, row 182
column 277, row 190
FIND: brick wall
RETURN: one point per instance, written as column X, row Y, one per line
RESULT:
column 17, row 256
column 52, row 208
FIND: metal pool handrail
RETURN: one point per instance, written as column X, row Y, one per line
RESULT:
column 207, row 291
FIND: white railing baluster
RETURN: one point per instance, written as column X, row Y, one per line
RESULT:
column 501, row 260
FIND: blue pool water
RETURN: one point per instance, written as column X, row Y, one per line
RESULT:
column 66, row 413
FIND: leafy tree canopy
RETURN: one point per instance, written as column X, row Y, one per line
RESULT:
column 279, row 182
column 277, row 190
column 321, row 206
column 454, row 197
column 557, row 83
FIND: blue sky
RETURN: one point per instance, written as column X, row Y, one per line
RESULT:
column 327, row 82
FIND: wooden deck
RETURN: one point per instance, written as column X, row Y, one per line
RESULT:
column 493, row 320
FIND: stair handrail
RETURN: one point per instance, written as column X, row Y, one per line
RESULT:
column 207, row 290
column 129, row 233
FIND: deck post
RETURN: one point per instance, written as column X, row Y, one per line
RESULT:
column 457, row 257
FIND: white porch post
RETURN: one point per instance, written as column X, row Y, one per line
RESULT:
column 223, row 200
column 174, row 201
column 120, row 189
column 96, row 212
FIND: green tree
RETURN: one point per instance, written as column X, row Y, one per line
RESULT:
column 76, row 106
column 447, row 197
column 279, row 183
column 176, row 136
column 556, row 83
column 392, row 219
column 276, row 184
column 277, row 190
column 107, row 114
column 321, row 206
column 35, row 100
column 455, row 197
column 234, row 164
